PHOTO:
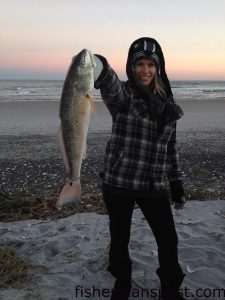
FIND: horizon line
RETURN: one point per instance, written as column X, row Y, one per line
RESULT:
column 62, row 79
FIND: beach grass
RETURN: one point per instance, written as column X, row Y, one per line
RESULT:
column 9, row 201
column 13, row 269
column 26, row 204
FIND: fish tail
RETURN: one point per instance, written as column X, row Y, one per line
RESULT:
column 62, row 149
column 70, row 194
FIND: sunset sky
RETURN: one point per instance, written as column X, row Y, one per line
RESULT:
column 39, row 37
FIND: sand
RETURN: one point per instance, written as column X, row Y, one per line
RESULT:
column 25, row 117
column 73, row 251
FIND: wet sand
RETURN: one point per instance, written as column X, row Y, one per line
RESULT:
column 42, row 117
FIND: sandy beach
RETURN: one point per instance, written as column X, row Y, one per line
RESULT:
column 68, row 252
column 27, row 117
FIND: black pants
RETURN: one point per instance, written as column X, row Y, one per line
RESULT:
column 157, row 211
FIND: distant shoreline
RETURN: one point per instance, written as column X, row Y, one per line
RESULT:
column 50, row 90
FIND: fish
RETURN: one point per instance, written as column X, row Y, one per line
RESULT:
column 75, row 109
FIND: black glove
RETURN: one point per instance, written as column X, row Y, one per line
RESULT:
column 177, row 194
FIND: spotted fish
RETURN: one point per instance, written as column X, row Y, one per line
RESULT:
column 75, row 108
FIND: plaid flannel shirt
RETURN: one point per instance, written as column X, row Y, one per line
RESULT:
column 138, row 156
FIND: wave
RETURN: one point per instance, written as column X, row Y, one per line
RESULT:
column 48, row 90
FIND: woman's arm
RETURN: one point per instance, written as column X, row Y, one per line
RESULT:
column 175, row 174
column 113, row 91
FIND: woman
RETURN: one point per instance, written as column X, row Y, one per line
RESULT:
column 140, row 156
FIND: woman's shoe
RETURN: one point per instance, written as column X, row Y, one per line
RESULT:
column 169, row 293
column 120, row 291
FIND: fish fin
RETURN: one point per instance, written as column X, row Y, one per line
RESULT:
column 85, row 151
column 70, row 194
column 93, row 106
column 63, row 149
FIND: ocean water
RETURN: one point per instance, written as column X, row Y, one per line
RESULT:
column 50, row 90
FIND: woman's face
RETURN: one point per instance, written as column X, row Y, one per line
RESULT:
column 145, row 70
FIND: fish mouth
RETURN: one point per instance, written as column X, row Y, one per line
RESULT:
column 86, row 59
